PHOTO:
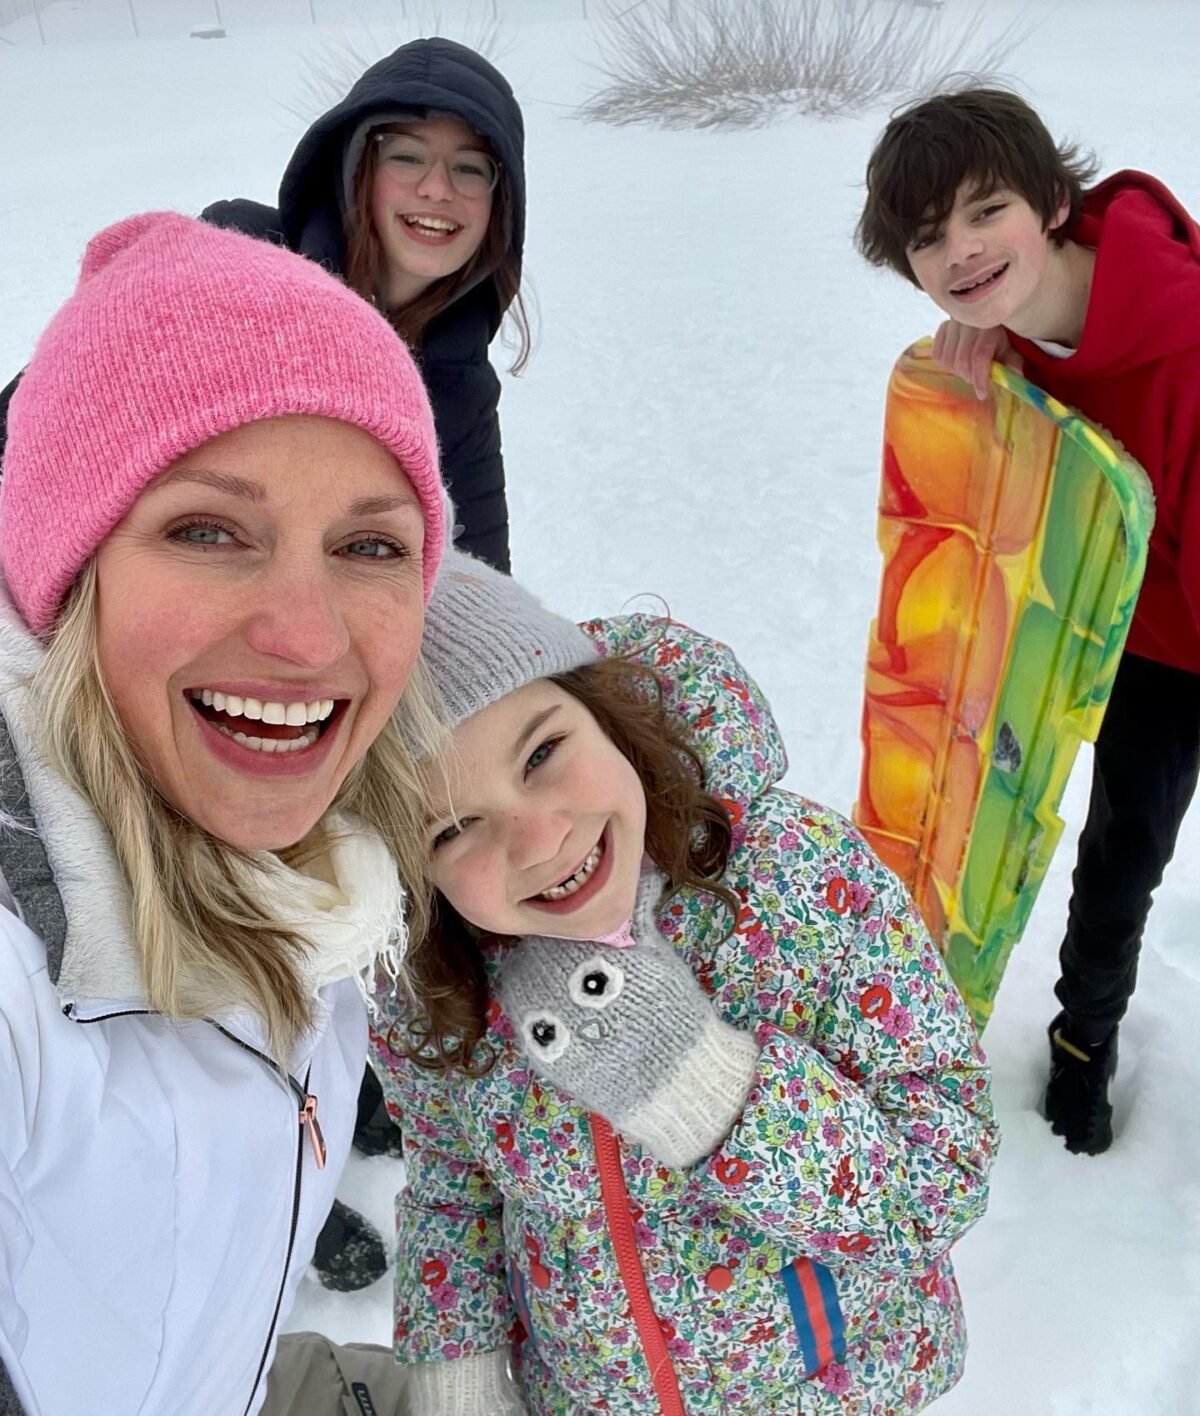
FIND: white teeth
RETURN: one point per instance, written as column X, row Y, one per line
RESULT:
column 432, row 223
column 573, row 882
column 258, row 744
column 316, row 710
column 294, row 715
column 976, row 284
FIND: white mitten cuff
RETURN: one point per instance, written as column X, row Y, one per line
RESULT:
column 689, row 1116
column 479, row 1385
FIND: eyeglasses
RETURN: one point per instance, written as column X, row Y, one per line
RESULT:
column 409, row 161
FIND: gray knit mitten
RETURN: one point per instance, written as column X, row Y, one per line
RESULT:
column 479, row 1385
column 629, row 1033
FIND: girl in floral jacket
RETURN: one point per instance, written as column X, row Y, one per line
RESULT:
column 692, row 1112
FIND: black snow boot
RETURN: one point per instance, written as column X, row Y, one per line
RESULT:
column 1077, row 1104
column 349, row 1253
column 375, row 1133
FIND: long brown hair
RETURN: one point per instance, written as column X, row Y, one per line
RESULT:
column 366, row 264
column 688, row 836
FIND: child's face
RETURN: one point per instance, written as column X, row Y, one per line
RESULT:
column 539, row 821
column 431, row 201
column 987, row 264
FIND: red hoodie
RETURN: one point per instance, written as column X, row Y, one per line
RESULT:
column 1137, row 373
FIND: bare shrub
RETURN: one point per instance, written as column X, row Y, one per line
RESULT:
column 742, row 63
column 328, row 74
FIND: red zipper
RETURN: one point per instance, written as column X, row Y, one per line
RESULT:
column 624, row 1241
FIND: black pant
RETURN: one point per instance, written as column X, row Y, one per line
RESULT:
column 1146, row 765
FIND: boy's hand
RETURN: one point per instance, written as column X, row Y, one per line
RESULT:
column 632, row 1035
column 968, row 352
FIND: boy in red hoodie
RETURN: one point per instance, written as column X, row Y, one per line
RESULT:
column 1097, row 290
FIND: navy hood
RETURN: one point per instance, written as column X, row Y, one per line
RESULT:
column 428, row 74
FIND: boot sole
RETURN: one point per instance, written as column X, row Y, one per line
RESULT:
column 1093, row 1145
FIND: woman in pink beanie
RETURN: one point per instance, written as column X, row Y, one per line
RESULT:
column 220, row 520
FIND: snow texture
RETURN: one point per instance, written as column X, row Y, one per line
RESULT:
column 700, row 424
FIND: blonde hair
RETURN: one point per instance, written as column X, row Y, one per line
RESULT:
column 201, row 939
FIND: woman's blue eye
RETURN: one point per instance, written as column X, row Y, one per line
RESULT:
column 202, row 533
column 373, row 548
column 407, row 159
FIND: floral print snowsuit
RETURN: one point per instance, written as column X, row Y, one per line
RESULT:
column 802, row 1268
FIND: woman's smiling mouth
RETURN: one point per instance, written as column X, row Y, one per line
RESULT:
column 264, row 725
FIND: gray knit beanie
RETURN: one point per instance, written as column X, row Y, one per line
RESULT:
column 485, row 637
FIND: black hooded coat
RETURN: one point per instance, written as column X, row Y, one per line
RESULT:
column 435, row 75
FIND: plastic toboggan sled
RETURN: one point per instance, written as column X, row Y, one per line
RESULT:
column 1014, row 538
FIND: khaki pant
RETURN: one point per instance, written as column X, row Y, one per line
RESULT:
column 312, row 1376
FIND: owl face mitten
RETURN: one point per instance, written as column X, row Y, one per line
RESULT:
column 630, row 1034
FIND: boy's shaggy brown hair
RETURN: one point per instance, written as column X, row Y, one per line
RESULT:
column 987, row 137
column 688, row 837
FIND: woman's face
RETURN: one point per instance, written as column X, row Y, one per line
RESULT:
column 260, row 609
column 430, row 201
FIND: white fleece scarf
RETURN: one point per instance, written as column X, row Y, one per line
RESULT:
column 351, row 926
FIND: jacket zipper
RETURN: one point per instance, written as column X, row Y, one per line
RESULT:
column 307, row 1118
column 287, row 1263
column 615, row 1197
column 308, row 1102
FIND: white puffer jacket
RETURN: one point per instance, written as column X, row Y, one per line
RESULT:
column 159, row 1196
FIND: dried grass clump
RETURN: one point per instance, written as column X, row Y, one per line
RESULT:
column 329, row 74
column 742, row 63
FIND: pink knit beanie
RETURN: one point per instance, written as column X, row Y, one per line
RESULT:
column 176, row 332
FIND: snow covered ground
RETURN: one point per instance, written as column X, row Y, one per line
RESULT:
column 700, row 423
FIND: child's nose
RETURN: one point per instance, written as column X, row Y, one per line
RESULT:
column 961, row 243
column 436, row 184
column 537, row 837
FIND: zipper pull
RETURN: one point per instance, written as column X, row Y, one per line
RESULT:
column 308, row 1117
